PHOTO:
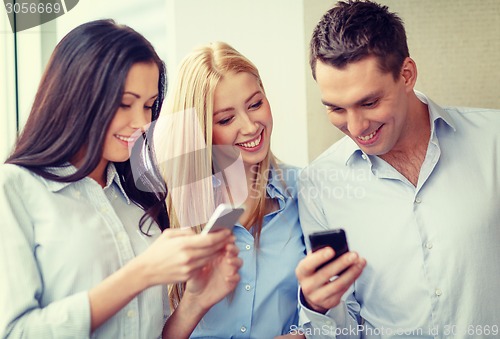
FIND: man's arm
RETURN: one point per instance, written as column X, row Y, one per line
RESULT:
column 323, row 314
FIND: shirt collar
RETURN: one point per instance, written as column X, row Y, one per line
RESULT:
column 436, row 112
column 352, row 152
column 276, row 185
column 68, row 169
column 62, row 171
column 112, row 175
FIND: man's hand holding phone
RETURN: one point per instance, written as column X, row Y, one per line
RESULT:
column 320, row 292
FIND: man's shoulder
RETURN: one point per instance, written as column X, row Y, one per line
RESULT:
column 486, row 115
column 334, row 160
column 335, row 155
column 472, row 110
column 469, row 122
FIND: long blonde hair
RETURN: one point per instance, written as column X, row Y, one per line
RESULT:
column 190, row 110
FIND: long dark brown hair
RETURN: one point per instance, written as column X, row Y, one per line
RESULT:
column 78, row 96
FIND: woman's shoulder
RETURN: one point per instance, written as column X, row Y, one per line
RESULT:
column 14, row 182
column 18, row 177
column 286, row 177
column 10, row 173
column 288, row 173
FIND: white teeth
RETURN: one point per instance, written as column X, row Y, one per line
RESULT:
column 252, row 144
column 129, row 139
column 368, row 137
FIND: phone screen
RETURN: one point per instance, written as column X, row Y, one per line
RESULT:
column 335, row 239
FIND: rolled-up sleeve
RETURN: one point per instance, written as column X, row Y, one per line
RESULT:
column 21, row 282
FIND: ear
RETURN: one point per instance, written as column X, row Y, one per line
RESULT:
column 409, row 73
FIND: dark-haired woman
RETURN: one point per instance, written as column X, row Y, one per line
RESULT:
column 78, row 255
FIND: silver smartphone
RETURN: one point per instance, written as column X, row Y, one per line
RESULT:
column 225, row 216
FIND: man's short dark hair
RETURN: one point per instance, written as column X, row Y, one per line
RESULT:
column 354, row 30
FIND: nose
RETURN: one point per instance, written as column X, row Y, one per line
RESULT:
column 357, row 124
column 140, row 118
column 248, row 126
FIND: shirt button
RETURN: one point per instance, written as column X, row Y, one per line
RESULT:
column 364, row 156
column 248, row 247
column 104, row 209
column 120, row 236
column 130, row 314
column 248, row 287
column 438, row 292
column 243, row 329
column 428, row 245
column 418, row 200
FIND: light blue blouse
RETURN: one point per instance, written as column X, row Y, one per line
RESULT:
column 264, row 303
column 58, row 240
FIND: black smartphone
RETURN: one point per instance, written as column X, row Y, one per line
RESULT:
column 335, row 239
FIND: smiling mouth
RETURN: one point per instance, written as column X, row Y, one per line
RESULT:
column 125, row 139
column 369, row 136
column 252, row 143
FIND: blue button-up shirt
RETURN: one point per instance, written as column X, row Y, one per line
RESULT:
column 58, row 240
column 432, row 251
column 264, row 303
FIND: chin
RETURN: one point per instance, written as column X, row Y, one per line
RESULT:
column 119, row 158
column 253, row 160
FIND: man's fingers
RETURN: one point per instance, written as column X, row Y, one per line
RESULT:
column 309, row 264
column 323, row 292
column 338, row 265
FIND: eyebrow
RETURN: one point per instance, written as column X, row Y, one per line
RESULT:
column 231, row 108
column 138, row 96
column 366, row 98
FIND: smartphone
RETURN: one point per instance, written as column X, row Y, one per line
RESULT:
column 225, row 216
column 335, row 238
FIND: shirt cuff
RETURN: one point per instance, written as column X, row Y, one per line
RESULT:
column 331, row 319
column 72, row 315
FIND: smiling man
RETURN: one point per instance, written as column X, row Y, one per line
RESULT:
column 425, row 217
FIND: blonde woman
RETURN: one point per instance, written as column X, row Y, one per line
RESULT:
column 221, row 127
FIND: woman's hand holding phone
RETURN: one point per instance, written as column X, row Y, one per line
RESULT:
column 217, row 279
column 220, row 277
column 177, row 255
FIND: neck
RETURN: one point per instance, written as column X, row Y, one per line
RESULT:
column 99, row 173
column 408, row 155
column 416, row 131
